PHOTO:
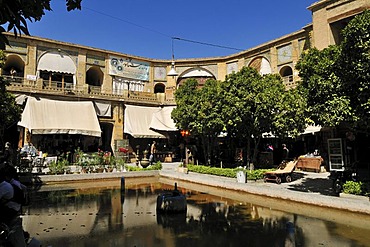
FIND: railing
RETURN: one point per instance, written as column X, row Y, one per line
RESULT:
column 21, row 84
column 289, row 82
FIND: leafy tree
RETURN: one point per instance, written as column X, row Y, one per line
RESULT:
column 336, row 80
column 9, row 110
column 354, row 67
column 255, row 104
column 15, row 13
column 327, row 102
column 198, row 111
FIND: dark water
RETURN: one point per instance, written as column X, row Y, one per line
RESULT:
column 98, row 214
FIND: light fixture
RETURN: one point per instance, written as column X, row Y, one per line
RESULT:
column 173, row 71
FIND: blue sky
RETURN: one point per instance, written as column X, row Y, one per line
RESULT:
column 144, row 28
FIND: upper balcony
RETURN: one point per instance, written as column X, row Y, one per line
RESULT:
column 60, row 88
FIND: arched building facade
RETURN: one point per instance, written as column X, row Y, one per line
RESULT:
column 113, row 82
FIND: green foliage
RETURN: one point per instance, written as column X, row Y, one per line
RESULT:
column 254, row 104
column 227, row 172
column 355, row 188
column 336, row 80
column 16, row 13
column 354, row 66
column 328, row 105
column 10, row 112
column 156, row 166
column 198, row 110
column 58, row 167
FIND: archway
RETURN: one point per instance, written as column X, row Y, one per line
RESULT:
column 261, row 64
column 286, row 73
column 159, row 88
column 94, row 76
column 13, row 63
column 57, row 69
column 200, row 74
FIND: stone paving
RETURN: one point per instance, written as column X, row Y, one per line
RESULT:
column 306, row 187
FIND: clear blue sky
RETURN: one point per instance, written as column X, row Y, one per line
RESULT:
column 144, row 28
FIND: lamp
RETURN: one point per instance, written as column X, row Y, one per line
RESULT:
column 173, row 71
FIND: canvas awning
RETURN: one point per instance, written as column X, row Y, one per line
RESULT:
column 57, row 62
column 44, row 116
column 161, row 119
column 103, row 109
column 311, row 129
column 137, row 121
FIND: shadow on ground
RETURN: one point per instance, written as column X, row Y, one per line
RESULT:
column 315, row 185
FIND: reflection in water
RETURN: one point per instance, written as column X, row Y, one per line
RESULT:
column 103, row 216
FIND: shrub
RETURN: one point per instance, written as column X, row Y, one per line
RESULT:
column 355, row 188
column 227, row 172
column 156, row 166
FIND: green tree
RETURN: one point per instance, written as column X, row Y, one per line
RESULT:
column 336, row 80
column 354, row 68
column 327, row 102
column 16, row 13
column 9, row 110
column 255, row 104
column 198, row 111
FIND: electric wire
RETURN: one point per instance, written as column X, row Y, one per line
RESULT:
column 174, row 37
column 161, row 33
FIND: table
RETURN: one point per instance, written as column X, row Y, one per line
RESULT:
column 308, row 163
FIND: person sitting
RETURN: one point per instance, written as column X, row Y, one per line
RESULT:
column 10, row 210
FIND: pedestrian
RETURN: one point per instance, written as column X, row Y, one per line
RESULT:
column 285, row 155
column 9, row 153
column 153, row 150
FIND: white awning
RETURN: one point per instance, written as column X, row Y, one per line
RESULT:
column 103, row 109
column 311, row 129
column 137, row 121
column 57, row 62
column 46, row 116
column 162, row 120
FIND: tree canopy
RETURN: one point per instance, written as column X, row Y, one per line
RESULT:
column 16, row 13
column 245, row 106
column 255, row 104
column 9, row 111
column 336, row 80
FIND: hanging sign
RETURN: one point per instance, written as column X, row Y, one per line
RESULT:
column 128, row 68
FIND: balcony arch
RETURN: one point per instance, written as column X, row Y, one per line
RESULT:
column 198, row 73
column 57, row 69
column 14, row 66
column 261, row 64
column 286, row 72
column 159, row 88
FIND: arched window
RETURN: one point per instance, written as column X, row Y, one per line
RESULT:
column 286, row 73
column 200, row 74
column 14, row 67
column 57, row 70
column 261, row 64
column 94, row 76
column 159, row 88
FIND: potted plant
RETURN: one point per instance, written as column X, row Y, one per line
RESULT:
column 182, row 168
column 59, row 167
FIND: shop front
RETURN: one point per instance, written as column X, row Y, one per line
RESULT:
column 55, row 127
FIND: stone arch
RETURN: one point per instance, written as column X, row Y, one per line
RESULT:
column 198, row 73
column 94, row 76
column 159, row 88
column 261, row 64
column 13, row 63
column 286, row 72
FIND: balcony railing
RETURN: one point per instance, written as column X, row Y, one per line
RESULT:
column 20, row 84
column 289, row 81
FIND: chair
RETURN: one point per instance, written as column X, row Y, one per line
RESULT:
column 284, row 171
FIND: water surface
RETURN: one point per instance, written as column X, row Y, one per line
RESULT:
column 100, row 214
